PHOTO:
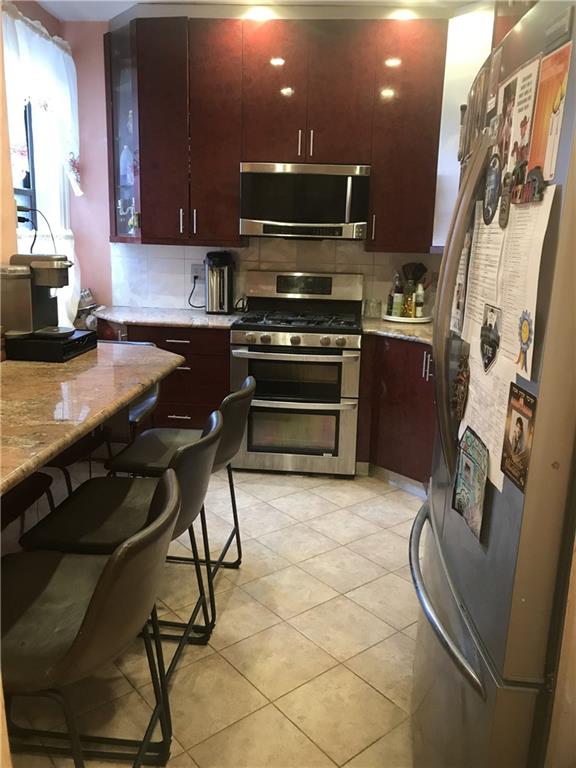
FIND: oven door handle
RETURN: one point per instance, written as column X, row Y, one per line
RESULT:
column 344, row 358
column 344, row 405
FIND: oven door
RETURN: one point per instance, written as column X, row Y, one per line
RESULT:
column 302, row 375
column 301, row 418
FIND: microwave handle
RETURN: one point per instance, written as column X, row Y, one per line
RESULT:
column 248, row 355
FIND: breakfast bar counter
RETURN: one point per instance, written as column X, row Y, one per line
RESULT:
column 46, row 407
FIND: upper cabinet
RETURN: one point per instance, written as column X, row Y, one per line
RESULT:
column 215, row 118
column 274, row 91
column 174, row 122
column 189, row 99
column 162, row 75
column 308, row 91
column 341, row 62
column 406, row 129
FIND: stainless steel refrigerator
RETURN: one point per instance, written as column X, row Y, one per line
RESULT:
column 493, row 606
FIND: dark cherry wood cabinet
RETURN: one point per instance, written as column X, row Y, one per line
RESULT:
column 162, row 76
column 274, row 91
column 406, row 130
column 341, row 66
column 215, row 71
column 397, row 412
column 174, row 126
column 308, row 91
column 200, row 383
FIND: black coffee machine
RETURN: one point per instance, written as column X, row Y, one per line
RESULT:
column 219, row 266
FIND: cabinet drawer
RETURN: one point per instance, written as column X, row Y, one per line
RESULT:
column 200, row 379
column 181, row 415
column 184, row 341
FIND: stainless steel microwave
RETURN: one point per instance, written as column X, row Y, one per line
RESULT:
column 304, row 200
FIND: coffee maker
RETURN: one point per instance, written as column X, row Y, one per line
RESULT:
column 29, row 303
column 29, row 310
column 219, row 266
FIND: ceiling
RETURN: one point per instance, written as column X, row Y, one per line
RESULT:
column 104, row 10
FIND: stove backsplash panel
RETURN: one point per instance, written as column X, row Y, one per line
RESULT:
column 161, row 275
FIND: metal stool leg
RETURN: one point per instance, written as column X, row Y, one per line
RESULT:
column 236, row 563
column 75, row 743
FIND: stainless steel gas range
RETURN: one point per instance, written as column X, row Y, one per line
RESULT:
column 301, row 340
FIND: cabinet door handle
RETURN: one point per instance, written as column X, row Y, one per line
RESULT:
column 429, row 375
column 175, row 416
column 424, row 356
column 373, row 226
column 311, row 142
column 300, row 143
column 183, row 368
column 177, row 341
column 194, row 220
column 181, row 220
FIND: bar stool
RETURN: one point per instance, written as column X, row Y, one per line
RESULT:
column 107, row 510
column 80, row 450
column 152, row 452
column 17, row 500
column 66, row 615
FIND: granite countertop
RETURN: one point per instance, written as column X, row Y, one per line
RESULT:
column 197, row 318
column 189, row 318
column 45, row 407
column 419, row 332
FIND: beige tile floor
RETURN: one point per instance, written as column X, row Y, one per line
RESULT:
column 310, row 663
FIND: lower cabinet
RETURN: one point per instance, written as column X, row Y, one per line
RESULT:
column 397, row 413
column 200, row 383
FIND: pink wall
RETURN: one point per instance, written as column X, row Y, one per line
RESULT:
column 33, row 11
column 89, row 213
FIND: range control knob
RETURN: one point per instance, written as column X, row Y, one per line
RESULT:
column 295, row 340
column 340, row 341
column 250, row 338
column 325, row 341
column 265, row 338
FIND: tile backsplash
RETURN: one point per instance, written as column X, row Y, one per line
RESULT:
column 161, row 275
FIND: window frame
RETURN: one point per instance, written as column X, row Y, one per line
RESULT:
column 29, row 193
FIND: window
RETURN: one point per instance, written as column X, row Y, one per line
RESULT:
column 23, row 172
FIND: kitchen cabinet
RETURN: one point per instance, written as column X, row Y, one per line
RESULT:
column 200, row 383
column 405, row 134
column 174, row 126
column 397, row 412
column 215, row 71
column 274, row 91
column 308, row 91
column 341, row 66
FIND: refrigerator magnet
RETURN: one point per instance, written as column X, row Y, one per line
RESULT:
column 491, row 189
column 490, row 335
column 525, row 336
column 505, row 200
column 518, row 435
column 470, row 481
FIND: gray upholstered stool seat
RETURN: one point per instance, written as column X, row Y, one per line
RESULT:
column 42, row 614
column 152, row 451
column 89, row 520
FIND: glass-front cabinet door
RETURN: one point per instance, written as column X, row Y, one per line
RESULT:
column 124, row 145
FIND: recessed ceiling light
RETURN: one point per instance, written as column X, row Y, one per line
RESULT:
column 277, row 61
column 259, row 13
column 287, row 91
column 403, row 14
column 387, row 93
column 393, row 62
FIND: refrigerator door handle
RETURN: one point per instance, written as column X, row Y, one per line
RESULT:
column 456, row 655
column 446, row 286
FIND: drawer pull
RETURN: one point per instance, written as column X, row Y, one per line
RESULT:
column 183, row 368
column 174, row 416
column 177, row 341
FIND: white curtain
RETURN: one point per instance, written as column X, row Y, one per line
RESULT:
column 39, row 70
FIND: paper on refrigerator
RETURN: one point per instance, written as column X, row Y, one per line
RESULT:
column 500, row 314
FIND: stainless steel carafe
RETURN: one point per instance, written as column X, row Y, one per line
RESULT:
column 219, row 266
